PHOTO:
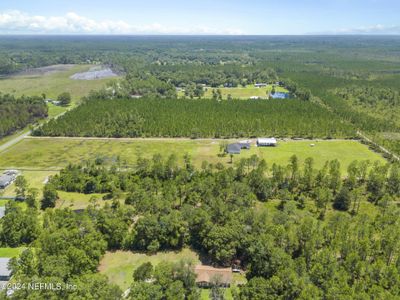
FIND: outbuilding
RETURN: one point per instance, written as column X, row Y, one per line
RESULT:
column 266, row 142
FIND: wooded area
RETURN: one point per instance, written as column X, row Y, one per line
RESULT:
column 16, row 113
column 198, row 119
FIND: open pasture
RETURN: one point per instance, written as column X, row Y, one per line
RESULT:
column 241, row 92
column 119, row 266
column 52, row 154
column 50, row 83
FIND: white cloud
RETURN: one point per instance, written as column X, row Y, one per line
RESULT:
column 13, row 22
column 373, row 30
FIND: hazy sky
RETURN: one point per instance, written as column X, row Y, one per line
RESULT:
column 200, row 17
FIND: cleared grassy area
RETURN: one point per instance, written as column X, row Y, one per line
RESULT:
column 51, row 154
column 119, row 266
column 36, row 179
column 78, row 201
column 51, row 83
column 11, row 252
column 241, row 92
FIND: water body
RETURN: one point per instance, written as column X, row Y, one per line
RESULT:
column 94, row 73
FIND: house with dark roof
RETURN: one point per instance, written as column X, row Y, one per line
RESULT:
column 233, row 148
column 207, row 276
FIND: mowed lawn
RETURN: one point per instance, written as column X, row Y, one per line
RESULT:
column 11, row 252
column 119, row 266
column 52, row 154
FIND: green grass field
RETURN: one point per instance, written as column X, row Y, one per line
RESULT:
column 11, row 252
column 52, row 84
column 36, row 179
column 119, row 266
column 240, row 92
column 51, row 154
column 78, row 201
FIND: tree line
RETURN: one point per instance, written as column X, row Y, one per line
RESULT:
column 16, row 113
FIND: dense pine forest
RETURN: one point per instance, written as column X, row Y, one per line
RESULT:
column 317, row 243
column 16, row 113
column 198, row 119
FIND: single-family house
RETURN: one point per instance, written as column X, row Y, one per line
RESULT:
column 233, row 148
column 280, row 95
column 207, row 276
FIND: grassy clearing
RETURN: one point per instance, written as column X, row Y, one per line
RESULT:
column 241, row 92
column 51, row 154
column 52, row 84
column 11, row 252
column 35, row 179
column 119, row 266
column 77, row 200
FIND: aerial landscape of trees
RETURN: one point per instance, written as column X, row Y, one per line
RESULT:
column 16, row 113
column 317, row 242
column 198, row 118
column 295, row 231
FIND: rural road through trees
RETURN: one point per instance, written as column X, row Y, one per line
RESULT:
column 362, row 135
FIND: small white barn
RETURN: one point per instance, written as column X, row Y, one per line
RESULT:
column 266, row 142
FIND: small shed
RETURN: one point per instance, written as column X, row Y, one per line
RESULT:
column 266, row 142
column 207, row 276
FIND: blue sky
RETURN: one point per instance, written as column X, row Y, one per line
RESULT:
column 200, row 17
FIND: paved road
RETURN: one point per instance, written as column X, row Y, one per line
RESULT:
column 15, row 140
